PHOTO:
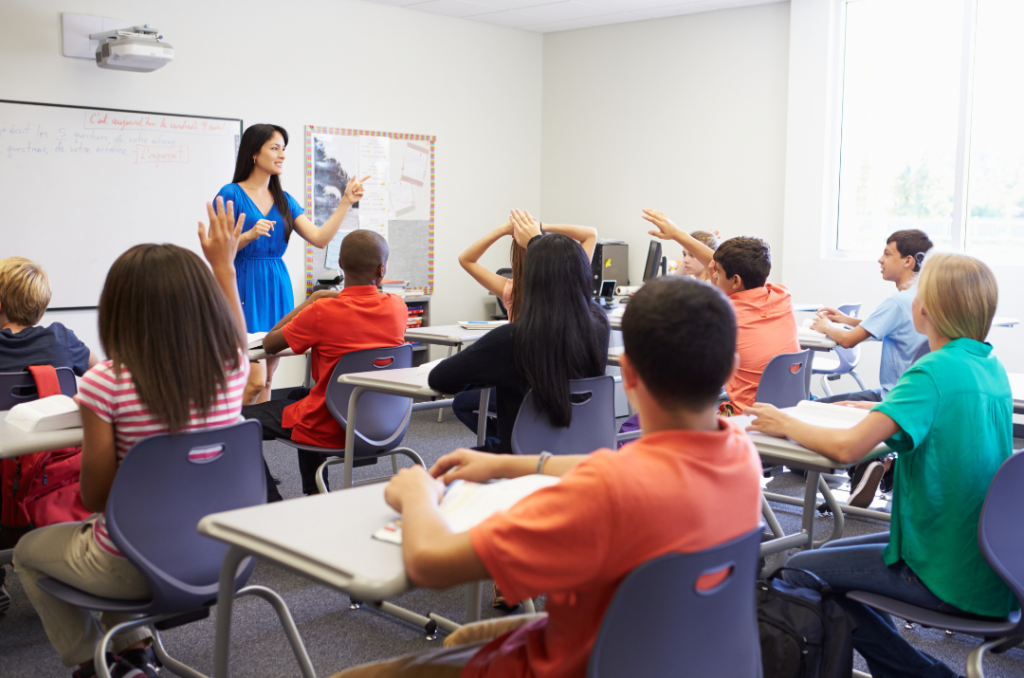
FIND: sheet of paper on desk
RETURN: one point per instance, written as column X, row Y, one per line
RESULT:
column 255, row 339
column 426, row 367
column 828, row 415
column 45, row 414
column 466, row 505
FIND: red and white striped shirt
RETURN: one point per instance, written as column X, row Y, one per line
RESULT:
column 111, row 395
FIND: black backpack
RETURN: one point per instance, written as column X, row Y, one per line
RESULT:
column 804, row 633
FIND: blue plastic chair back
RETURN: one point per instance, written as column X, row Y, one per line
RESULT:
column 921, row 352
column 20, row 387
column 848, row 357
column 784, row 381
column 999, row 529
column 164, row 486
column 592, row 427
column 660, row 624
column 382, row 419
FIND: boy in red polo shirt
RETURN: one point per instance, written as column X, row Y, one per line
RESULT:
column 692, row 482
column 330, row 324
column 765, row 324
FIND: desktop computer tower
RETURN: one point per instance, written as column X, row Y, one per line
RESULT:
column 610, row 262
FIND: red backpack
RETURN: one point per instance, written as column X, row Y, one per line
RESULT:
column 41, row 488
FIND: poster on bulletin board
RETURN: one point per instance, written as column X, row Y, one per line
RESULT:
column 397, row 202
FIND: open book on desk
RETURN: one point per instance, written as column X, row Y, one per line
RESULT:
column 45, row 414
column 826, row 415
column 465, row 505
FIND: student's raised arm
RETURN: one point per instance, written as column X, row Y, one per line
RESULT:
column 220, row 244
column 843, row 445
column 491, row 281
column 667, row 230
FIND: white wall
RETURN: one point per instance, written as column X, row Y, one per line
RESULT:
column 686, row 115
column 809, row 270
column 329, row 62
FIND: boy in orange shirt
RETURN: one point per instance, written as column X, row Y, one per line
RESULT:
column 330, row 324
column 765, row 324
column 692, row 482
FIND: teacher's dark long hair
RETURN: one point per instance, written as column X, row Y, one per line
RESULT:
column 252, row 143
column 560, row 332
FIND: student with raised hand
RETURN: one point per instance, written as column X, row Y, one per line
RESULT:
column 466, row 402
column 559, row 334
column 24, row 295
column 271, row 216
column 766, row 325
column 330, row 324
column 691, row 483
column 950, row 418
column 174, row 332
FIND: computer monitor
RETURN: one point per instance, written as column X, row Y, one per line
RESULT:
column 653, row 261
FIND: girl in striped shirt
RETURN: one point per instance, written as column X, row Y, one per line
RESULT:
column 174, row 334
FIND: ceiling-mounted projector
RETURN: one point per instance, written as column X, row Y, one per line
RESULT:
column 139, row 48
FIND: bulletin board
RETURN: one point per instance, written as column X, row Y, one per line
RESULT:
column 398, row 199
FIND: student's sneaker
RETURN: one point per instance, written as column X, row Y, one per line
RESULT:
column 889, row 478
column 865, row 484
column 5, row 599
column 140, row 663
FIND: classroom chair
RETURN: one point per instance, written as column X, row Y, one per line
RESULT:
column 921, row 352
column 785, row 380
column 592, row 427
column 381, row 420
column 1000, row 543
column 20, row 387
column 660, row 624
column 164, row 486
column 845, row 361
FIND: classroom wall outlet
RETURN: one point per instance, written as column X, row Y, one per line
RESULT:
column 76, row 29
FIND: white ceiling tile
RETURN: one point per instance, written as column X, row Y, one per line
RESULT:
column 510, row 19
column 634, row 5
column 563, row 11
column 458, row 8
column 397, row 3
column 514, row 4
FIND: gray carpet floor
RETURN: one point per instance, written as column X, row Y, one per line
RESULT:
column 338, row 637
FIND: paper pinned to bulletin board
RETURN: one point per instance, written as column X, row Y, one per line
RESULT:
column 398, row 198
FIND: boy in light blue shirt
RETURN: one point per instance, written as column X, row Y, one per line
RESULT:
column 893, row 324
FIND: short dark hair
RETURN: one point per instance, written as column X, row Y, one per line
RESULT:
column 912, row 242
column 362, row 251
column 680, row 334
column 749, row 258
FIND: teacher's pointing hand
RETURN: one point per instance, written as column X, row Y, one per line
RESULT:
column 354, row 190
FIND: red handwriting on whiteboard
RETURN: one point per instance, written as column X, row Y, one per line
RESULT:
column 147, row 122
column 160, row 154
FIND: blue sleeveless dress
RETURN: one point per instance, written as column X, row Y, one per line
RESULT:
column 263, row 282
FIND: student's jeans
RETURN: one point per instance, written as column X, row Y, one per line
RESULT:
column 270, row 414
column 856, row 564
column 465, row 406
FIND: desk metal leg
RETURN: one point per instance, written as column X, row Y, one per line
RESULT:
column 473, row 602
column 769, row 516
column 350, row 435
column 439, row 411
column 481, row 417
column 225, row 597
column 810, row 509
column 838, row 521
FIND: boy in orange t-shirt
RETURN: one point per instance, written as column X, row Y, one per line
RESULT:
column 765, row 324
column 330, row 324
column 692, row 482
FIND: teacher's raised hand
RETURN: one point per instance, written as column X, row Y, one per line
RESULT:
column 354, row 190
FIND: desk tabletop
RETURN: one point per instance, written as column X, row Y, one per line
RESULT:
column 1017, row 386
column 789, row 453
column 822, row 342
column 326, row 537
column 14, row 442
column 444, row 335
column 1000, row 321
column 407, row 381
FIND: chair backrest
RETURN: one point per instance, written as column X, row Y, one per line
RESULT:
column 165, row 485
column 848, row 357
column 921, row 352
column 382, row 420
column 999, row 532
column 660, row 624
column 784, row 380
column 592, row 427
column 20, row 387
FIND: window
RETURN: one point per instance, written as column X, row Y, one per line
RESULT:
column 932, row 125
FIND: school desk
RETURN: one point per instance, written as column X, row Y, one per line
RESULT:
column 14, row 442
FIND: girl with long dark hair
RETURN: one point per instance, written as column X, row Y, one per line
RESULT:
column 559, row 334
column 271, row 215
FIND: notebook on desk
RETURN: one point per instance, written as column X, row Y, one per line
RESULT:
column 465, row 505
column 45, row 414
column 482, row 324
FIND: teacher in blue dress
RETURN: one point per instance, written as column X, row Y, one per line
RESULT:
column 270, row 217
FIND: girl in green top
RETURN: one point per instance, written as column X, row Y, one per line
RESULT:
column 950, row 418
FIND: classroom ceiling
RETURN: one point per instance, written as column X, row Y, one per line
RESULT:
column 548, row 16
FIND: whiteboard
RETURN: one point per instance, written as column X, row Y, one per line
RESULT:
column 82, row 185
